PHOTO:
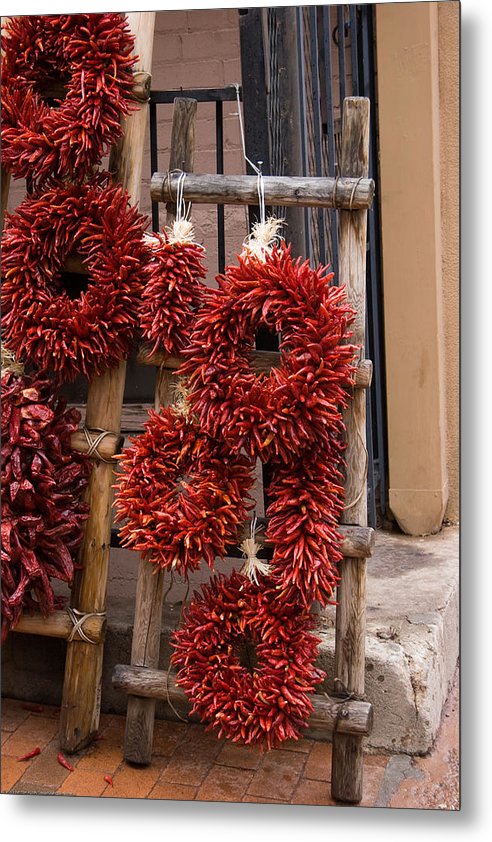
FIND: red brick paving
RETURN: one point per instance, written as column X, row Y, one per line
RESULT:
column 190, row 764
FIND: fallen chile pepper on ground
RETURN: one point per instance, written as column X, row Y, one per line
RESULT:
column 43, row 480
column 33, row 753
column 64, row 762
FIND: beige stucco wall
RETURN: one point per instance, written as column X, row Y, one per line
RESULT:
column 418, row 143
column 448, row 34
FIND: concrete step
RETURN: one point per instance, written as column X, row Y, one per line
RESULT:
column 411, row 654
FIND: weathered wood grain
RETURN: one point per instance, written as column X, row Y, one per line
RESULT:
column 182, row 154
column 279, row 190
column 60, row 625
column 351, row 593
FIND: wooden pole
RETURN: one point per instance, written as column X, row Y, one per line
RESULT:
column 261, row 361
column 351, row 596
column 5, row 187
column 140, row 713
column 81, row 698
column 348, row 193
column 350, row 717
column 140, row 88
column 357, row 541
column 60, row 625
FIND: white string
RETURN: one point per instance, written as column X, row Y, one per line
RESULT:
column 254, row 520
column 78, row 619
column 256, row 169
column 180, row 203
column 261, row 194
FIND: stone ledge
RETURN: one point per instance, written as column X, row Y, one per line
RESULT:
column 412, row 644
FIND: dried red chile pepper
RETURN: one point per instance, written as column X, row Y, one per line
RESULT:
column 92, row 55
column 292, row 408
column 183, row 495
column 268, row 702
column 43, row 480
column 46, row 320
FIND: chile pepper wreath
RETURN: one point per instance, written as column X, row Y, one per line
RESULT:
column 260, row 707
column 42, row 484
column 46, row 320
column 292, row 419
column 92, row 55
column 182, row 494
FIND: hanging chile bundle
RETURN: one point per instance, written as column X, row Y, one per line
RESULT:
column 174, row 287
column 43, row 481
column 182, row 495
column 261, row 705
column 292, row 408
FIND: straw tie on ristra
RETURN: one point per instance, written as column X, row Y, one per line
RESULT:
column 253, row 566
column 173, row 283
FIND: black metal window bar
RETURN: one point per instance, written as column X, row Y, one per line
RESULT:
column 335, row 47
column 210, row 95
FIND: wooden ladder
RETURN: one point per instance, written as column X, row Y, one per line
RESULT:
column 345, row 714
column 81, row 698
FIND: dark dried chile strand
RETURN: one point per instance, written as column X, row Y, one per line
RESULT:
column 41, row 529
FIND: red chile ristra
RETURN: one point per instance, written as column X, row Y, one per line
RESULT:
column 295, row 406
column 173, row 292
column 92, row 55
column 49, row 325
column 182, row 495
column 269, row 703
column 43, row 480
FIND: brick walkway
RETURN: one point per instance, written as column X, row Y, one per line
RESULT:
column 189, row 764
